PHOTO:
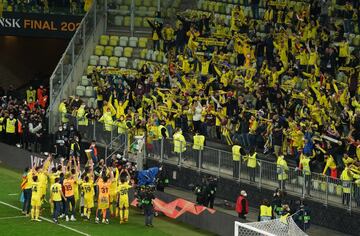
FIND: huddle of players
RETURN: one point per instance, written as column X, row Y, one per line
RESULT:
column 68, row 186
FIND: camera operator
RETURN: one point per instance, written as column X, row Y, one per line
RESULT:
column 147, row 203
column 200, row 192
column 211, row 192
column 161, row 179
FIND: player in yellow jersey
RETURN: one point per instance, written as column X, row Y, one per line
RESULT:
column 123, row 196
column 52, row 177
column 113, row 189
column 56, row 196
column 35, row 199
column 87, row 188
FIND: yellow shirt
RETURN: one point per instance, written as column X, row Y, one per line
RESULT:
column 35, row 193
column 88, row 189
column 123, row 189
column 56, row 192
column 69, row 187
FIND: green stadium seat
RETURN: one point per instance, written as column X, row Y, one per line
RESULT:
column 143, row 42
column 127, row 21
column 113, row 61
column 160, row 57
column 143, row 53
column 104, row 40
column 148, row 3
column 151, row 11
column 109, row 50
column 135, row 64
column 90, row 69
column 141, row 11
column 99, row 50
column 138, row 3
column 90, row 102
column 119, row 20
column 154, row 55
column 149, row 54
column 114, row 40
column 127, row 2
column 128, row 52
column 124, row 10
column 138, row 21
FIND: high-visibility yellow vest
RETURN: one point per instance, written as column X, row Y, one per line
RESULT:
column 282, row 168
column 108, row 121
column 81, row 117
column 236, row 152
column 10, row 126
column 199, row 141
column 122, row 127
column 305, row 162
column 63, row 111
column 251, row 163
column 1, row 123
column 265, row 210
column 346, row 181
column 179, row 143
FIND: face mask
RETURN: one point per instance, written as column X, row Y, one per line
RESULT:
column 71, row 129
column 11, row 117
column 60, row 129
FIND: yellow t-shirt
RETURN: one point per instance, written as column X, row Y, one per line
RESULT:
column 123, row 189
column 35, row 190
column 56, row 192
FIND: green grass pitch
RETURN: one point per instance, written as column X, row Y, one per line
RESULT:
column 12, row 222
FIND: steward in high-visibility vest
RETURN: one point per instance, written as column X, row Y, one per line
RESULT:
column 1, row 124
column 251, row 160
column 266, row 212
column 81, row 116
column 108, row 120
column 10, row 125
column 121, row 124
column 30, row 94
column 179, row 142
column 346, row 178
column 163, row 130
column 199, row 141
column 282, row 168
column 63, row 112
column 236, row 152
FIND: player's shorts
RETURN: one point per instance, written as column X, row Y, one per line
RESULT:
column 124, row 203
column 88, row 202
column 103, row 202
column 35, row 201
column 113, row 197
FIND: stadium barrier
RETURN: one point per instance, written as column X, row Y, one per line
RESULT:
column 229, row 189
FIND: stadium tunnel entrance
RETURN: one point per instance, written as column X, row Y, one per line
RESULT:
column 27, row 60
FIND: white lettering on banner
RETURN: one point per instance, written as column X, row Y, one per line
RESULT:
column 10, row 23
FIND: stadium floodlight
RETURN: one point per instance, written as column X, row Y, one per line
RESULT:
column 275, row 227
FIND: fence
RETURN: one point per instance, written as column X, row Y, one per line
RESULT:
column 322, row 188
column 76, row 51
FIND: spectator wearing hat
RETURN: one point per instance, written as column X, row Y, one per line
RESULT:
column 242, row 205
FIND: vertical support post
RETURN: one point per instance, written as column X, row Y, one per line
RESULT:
column 95, row 15
column 158, row 5
column 199, row 160
column 219, row 163
column 281, row 181
column 51, row 115
column 304, row 184
column 162, row 150
column 260, row 175
column 72, row 59
column 111, row 136
column 240, row 168
column 132, row 10
column 327, row 191
column 94, row 131
column 351, row 192
column 180, row 154
column 83, row 40
column 62, row 73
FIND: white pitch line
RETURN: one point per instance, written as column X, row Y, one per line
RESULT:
column 13, row 194
column 11, row 217
column 48, row 220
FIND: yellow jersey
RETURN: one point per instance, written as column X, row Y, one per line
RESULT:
column 35, row 188
column 69, row 187
column 56, row 192
column 88, row 189
column 123, row 189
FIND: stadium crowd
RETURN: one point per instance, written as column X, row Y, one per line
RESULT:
column 23, row 121
column 292, row 89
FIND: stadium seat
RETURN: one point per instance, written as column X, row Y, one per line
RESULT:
column 159, row 57
column 114, row 41
column 149, row 54
column 99, row 50
column 146, row 23
column 138, row 21
column 143, row 53
column 89, row 92
column 133, row 42
column 135, row 64
column 123, row 62
column 94, row 60
column 109, row 51
column 143, row 42
column 80, row 91
column 123, row 41
column 151, row 11
column 124, row 10
column 138, row 3
column 104, row 60
column 119, row 20
column 89, row 69
column 118, row 51
column 147, row 3
column 113, row 61
column 154, row 55
column 141, row 11
column 127, row 21
column 90, row 102
column 85, row 81
column 104, row 40
column 128, row 52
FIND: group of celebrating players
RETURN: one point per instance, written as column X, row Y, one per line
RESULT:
column 70, row 188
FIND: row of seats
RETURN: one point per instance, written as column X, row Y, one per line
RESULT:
column 147, row 3
column 111, row 61
column 85, row 91
column 106, row 40
column 152, row 55
column 142, row 11
column 113, row 51
column 118, row 20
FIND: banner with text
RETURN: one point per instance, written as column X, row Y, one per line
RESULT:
column 39, row 25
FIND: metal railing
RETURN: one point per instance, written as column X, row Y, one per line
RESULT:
column 315, row 186
column 64, row 70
